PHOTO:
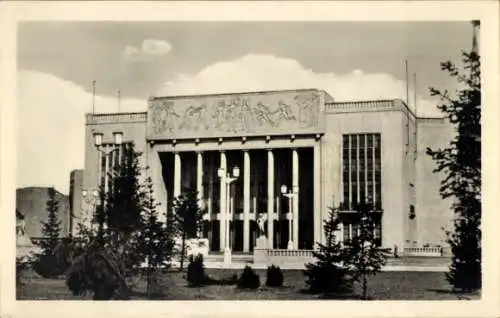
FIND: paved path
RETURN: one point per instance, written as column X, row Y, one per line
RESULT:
column 410, row 264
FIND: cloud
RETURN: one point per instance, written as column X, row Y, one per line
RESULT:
column 51, row 110
column 51, row 126
column 254, row 72
column 149, row 49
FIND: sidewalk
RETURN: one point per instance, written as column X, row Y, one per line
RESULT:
column 388, row 268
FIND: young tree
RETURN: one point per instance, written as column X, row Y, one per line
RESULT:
column 461, row 163
column 188, row 218
column 122, row 210
column 329, row 274
column 47, row 263
column 52, row 227
column 156, row 241
column 364, row 256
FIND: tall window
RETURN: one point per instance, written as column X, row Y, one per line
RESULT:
column 361, row 169
column 112, row 160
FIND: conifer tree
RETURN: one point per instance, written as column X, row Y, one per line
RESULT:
column 188, row 219
column 122, row 209
column 328, row 273
column 363, row 256
column 461, row 163
column 51, row 228
column 47, row 263
column 156, row 240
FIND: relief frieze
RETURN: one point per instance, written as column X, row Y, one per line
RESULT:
column 233, row 114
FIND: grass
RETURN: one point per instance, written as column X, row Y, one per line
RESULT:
column 384, row 286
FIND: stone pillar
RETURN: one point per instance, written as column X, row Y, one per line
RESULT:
column 270, row 198
column 199, row 182
column 177, row 174
column 222, row 202
column 318, row 217
column 246, row 201
column 295, row 188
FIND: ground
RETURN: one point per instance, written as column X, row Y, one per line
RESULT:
column 384, row 286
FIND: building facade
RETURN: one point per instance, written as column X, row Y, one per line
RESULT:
column 75, row 198
column 326, row 153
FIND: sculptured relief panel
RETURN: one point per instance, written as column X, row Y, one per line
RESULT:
column 230, row 115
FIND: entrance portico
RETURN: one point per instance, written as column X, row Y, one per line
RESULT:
column 266, row 163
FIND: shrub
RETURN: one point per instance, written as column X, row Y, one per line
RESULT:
column 48, row 266
column 274, row 276
column 328, row 278
column 249, row 279
column 196, row 271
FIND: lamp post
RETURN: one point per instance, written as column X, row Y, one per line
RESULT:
column 227, row 179
column 117, row 141
column 290, row 196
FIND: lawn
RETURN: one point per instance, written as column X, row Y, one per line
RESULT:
column 384, row 286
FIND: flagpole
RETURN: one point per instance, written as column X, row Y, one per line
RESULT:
column 93, row 97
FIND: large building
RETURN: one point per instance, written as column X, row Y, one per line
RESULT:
column 327, row 153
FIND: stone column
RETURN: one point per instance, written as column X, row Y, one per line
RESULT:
column 177, row 174
column 246, row 201
column 222, row 202
column 318, row 217
column 270, row 198
column 199, row 182
column 295, row 188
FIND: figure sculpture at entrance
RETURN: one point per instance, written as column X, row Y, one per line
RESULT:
column 260, row 223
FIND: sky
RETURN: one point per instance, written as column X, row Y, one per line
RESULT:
column 57, row 62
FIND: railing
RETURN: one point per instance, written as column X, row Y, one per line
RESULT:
column 294, row 253
column 359, row 105
column 425, row 120
column 423, row 251
column 116, row 118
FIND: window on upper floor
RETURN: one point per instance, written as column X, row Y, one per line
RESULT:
column 361, row 169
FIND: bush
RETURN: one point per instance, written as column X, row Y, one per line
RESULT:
column 249, row 279
column 328, row 278
column 196, row 271
column 274, row 276
column 48, row 266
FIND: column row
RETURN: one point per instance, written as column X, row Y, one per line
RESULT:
column 226, row 214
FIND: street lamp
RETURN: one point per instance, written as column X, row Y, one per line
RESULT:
column 226, row 178
column 117, row 142
column 290, row 196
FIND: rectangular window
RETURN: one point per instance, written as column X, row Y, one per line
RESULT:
column 110, row 160
column 346, row 231
column 361, row 169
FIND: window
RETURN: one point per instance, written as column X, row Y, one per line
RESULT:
column 112, row 160
column 361, row 169
column 351, row 228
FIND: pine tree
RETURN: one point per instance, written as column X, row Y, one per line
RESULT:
column 51, row 228
column 156, row 241
column 363, row 256
column 47, row 263
column 188, row 218
column 122, row 210
column 329, row 274
column 461, row 163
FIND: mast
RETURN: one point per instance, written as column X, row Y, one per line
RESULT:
column 416, row 113
column 93, row 97
column 407, row 105
column 119, row 100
